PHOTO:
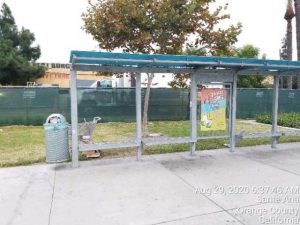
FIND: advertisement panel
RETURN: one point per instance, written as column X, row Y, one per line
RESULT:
column 212, row 108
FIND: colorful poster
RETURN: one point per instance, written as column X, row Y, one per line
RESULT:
column 213, row 108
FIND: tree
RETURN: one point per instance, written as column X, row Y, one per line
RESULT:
column 297, row 14
column 284, row 82
column 283, row 51
column 158, row 27
column 289, row 15
column 249, row 51
column 17, row 55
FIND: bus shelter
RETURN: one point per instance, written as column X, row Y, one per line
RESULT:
column 202, row 69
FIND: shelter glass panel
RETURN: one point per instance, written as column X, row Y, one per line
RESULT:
column 168, row 113
column 117, row 109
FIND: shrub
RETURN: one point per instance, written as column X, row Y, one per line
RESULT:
column 284, row 119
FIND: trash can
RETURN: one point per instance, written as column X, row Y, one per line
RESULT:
column 56, row 139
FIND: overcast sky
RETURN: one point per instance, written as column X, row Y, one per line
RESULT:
column 57, row 25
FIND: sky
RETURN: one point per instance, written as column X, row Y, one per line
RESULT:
column 57, row 25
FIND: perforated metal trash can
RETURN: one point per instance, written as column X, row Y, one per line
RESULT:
column 56, row 139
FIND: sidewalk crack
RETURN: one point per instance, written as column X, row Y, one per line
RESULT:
column 52, row 197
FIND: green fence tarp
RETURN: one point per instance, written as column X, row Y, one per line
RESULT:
column 31, row 106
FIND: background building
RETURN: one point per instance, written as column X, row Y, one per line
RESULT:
column 58, row 74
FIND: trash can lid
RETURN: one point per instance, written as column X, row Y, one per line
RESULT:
column 56, row 126
column 55, row 119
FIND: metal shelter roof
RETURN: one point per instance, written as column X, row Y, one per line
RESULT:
column 125, row 62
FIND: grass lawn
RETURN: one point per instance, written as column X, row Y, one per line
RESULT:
column 23, row 145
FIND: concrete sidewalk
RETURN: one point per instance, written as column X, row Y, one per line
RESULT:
column 254, row 185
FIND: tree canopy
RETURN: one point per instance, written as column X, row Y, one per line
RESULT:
column 17, row 53
column 249, row 51
column 159, row 26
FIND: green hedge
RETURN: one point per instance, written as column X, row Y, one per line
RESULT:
column 284, row 119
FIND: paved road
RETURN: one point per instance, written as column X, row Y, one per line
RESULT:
column 254, row 185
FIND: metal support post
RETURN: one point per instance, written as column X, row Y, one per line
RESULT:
column 275, row 110
column 193, row 115
column 233, row 113
column 230, row 109
column 74, row 118
column 138, row 102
